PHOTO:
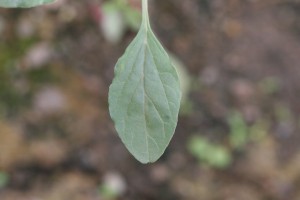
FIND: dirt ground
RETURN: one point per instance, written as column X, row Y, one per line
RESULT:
column 57, row 141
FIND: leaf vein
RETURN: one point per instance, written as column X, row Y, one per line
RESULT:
column 144, row 108
column 155, row 64
column 160, row 116
column 127, row 108
column 131, row 71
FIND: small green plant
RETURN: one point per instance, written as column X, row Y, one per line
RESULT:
column 212, row 154
column 239, row 131
column 270, row 85
column 107, row 192
column 144, row 98
column 239, row 135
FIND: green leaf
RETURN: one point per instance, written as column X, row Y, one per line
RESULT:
column 144, row 98
column 23, row 3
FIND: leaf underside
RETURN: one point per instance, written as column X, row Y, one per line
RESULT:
column 23, row 3
column 144, row 98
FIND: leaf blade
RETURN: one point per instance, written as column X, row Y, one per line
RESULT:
column 147, row 86
column 23, row 3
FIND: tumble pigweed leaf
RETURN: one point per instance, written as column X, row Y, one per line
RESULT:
column 144, row 98
column 23, row 3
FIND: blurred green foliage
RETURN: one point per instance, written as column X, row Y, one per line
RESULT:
column 212, row 154
column 259, row 130
column 132, row 16
column 4, row 179
column 13, row 96
column 283, row 113
column 40, row 76
column 107, row 192
column 10, row 98
column 240, row 134
column 239, row 131
column 270, row 85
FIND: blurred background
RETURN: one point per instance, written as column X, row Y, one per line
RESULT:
column 238, row 131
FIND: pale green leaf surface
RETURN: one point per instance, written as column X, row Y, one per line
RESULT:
column 144, row 98
column 23, row 3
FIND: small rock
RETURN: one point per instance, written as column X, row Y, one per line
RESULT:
column 112, row 25
column 11, row 145
column 210, row 75
column 49, row 101
column 160, row 173
column 243, row 91
column 25, row 28
column 38, row 55
column 115, row 182
column 251, row 113
column 48, row 153
column 232, row 28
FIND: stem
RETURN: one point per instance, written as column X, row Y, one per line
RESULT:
column 145, row 13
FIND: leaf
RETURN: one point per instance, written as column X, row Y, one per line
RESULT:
column 144, row 98
column 23, row 3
